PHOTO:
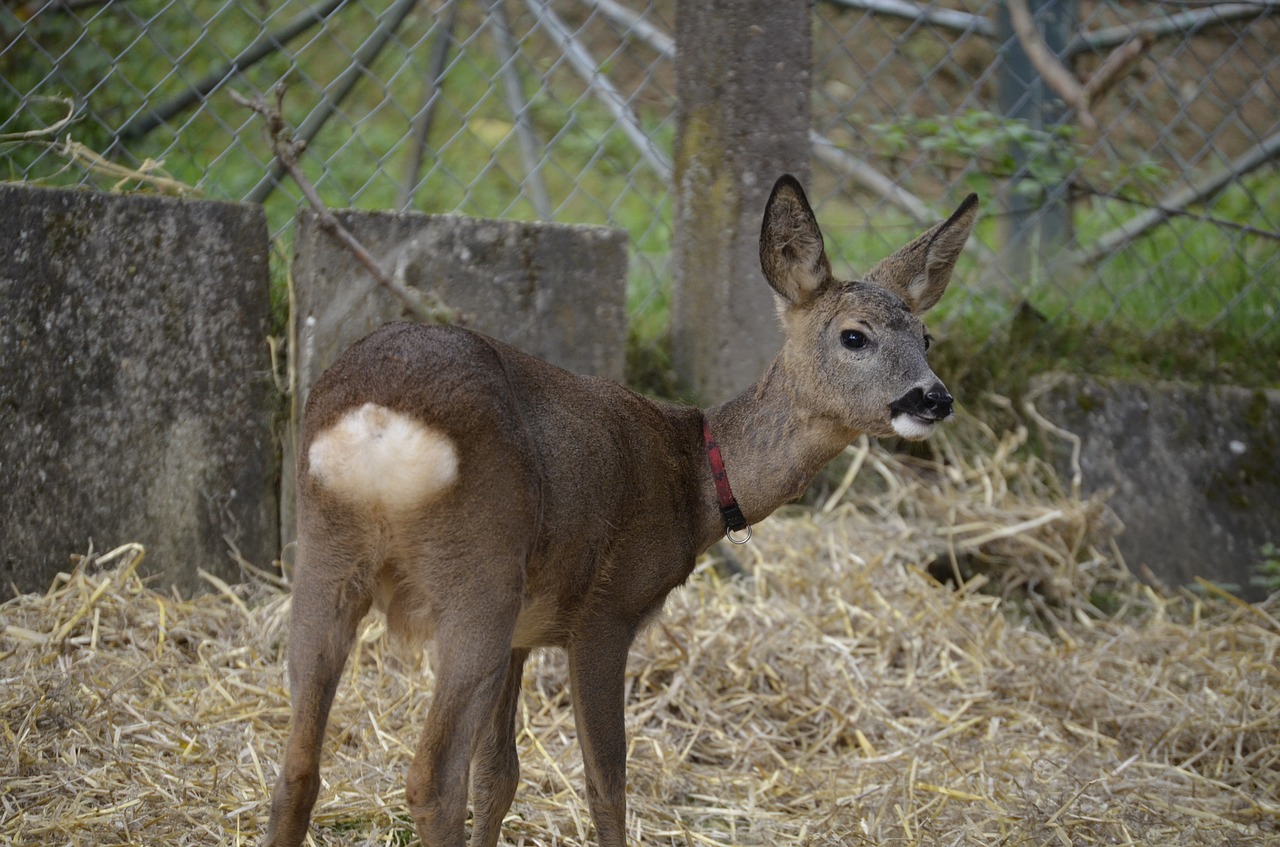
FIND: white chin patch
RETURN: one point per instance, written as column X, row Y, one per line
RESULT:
column 911, row 428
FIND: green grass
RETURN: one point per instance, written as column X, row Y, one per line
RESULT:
column 1186, row 274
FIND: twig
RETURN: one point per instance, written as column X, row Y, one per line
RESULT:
column 1056, row 75
column 426, row 115
column 146, row 172
column 1084, row 189
column 262, row 47
column 1182, row 23
column 590, row 70
column 424, row 306
column 363, row 59
column 51, row 129
column 1177, row 202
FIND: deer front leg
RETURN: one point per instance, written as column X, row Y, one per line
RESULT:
column 495, row 766
column 597, row 667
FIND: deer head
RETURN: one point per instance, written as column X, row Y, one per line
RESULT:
column 857, row 348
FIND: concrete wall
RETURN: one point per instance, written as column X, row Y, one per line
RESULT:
column 136, row 398
column 556, row 291
column 1194, row 471
column 136, row 394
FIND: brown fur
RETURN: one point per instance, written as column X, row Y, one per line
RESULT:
column 576, row 507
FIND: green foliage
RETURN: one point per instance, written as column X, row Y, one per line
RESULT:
column 989, row 147
column 996, row 145
column 1268, row 570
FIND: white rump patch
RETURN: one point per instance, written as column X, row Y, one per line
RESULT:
column 376, row 456
column 912, row 428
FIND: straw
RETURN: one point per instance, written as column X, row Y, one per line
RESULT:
column 921, row 661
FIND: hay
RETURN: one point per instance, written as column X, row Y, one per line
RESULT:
column 839, row 694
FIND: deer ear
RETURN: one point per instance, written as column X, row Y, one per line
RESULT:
column 920, row 271
column 791, row 253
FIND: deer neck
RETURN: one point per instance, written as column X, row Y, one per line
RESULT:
column 773, row 445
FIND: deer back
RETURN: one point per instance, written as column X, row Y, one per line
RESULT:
column 576, row 471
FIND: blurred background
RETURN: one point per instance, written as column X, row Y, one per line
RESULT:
column 1134, row 232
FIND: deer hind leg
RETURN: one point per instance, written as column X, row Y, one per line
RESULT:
column 472, row 658
column 495, row 765
column 330, row 597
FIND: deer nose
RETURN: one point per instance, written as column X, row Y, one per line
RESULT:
column 937, row 402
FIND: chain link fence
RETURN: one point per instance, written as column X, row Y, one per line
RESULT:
column 1143, row 202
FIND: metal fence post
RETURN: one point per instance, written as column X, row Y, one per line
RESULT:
column 743, row 114
column 1039, row 220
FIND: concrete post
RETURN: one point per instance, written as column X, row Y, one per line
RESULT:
column 742, row 82
column 1038, row 225
column 136, row 397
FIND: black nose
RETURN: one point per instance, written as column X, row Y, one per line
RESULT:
column 937, row 401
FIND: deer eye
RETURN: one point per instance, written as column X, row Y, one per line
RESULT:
column 852, row 339
column 928, row 341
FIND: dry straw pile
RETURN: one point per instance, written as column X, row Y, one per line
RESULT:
column 836, row 693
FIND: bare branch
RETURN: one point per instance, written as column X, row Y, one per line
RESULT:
column 51, row 129
column 424, row 306
column 1114, row 68
column 1084, row 189
column 962, row 22
column 1182, row 24
column 590, row 70
column 262, row 47
column 1177, row 203
column 1056, row 75
column 150, row 171
column 338, row 90
column 1047, row 64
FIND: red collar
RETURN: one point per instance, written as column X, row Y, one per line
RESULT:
column 734, row 521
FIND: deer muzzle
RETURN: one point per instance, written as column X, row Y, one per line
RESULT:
column 915, row 413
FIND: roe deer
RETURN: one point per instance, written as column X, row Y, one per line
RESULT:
column 491, row 503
